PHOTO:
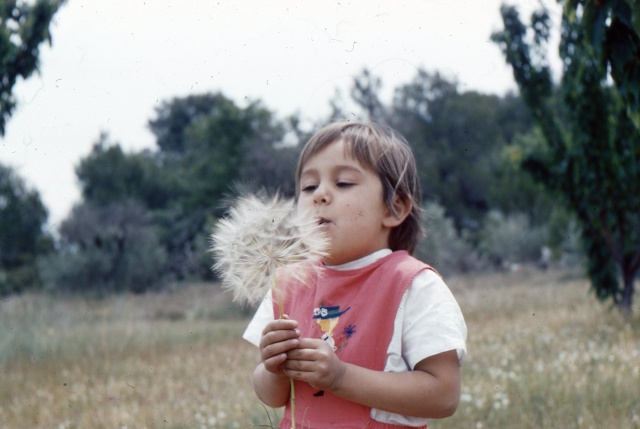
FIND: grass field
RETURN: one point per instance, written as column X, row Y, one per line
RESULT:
column 543, row 353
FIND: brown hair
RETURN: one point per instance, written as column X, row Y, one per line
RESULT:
column 386, row 152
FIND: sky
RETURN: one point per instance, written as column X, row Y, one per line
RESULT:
column 112, row 63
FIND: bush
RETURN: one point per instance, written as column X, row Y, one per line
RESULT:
column 444, row 248
column 507, row 240
column 565, row 240
column 19, row 279
column 22, row 236
column 106, row 249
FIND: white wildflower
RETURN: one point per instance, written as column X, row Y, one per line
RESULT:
column 260, row 235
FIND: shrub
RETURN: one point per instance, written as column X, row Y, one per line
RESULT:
column 106, row 249
column 444, row 248
column 19, row 279
column 511, row 239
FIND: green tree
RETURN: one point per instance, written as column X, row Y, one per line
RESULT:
column 109, row 175
column 208, row 136
column 612, row 31
column 590, row 155
column 206, row 145
column 23, row 28
column 174, row 116
column 459, row 139
column 366, row 93
column 227, row 146
column 22, row 238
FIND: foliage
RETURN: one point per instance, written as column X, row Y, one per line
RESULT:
column 173, row 117
column 591, row 155
column 106, row 249
column 216, row 149
column 108, row 175
column 366, row 93
column 511, row 239
column 444, row 248
column 215, row 142
column 459, row 139
column 208, row 147
column 206, row 144
column 225, row 146
column 22, row 238
column 23, row 28
column 612, row 31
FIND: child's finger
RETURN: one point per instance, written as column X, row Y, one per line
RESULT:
column 270, row 349
column 280, row 324
column 277, row 336
column 274, row 363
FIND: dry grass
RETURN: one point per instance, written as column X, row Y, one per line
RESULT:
column 542, row 353
column 155, row 361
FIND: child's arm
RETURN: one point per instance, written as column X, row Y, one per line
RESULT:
column 269, row 381
column 431, row 390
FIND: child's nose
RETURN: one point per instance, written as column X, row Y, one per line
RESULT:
column 321, row 195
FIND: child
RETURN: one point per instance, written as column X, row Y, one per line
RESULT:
column 378, row 339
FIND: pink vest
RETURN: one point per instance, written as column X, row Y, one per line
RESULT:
column 354, row 311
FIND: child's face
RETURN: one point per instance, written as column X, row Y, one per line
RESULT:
column 347, row 199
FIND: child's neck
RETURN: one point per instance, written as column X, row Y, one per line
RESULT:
column 361, row 262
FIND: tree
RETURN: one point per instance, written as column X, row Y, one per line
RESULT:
column 366, row 93
column 109, row 175
column 23, row 28
column 459, row 139
column 206, row 144
column 612, row 30
column 214, row 138
column 591, row 152
column 22, row 216
column 220, row 149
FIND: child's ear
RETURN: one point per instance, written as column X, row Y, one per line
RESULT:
column 401, row 208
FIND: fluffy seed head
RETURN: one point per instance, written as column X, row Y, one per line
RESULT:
column 259, row 235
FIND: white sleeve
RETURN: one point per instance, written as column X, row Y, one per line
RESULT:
column 428, row 322
column 432, row 322
column 262, row 316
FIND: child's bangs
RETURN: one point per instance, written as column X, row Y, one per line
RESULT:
column 362, row 150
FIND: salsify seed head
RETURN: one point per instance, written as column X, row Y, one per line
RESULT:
column 259, row 235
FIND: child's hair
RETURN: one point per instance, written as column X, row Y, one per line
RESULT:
column 387, row 153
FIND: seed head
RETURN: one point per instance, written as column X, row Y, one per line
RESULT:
column 260, row 235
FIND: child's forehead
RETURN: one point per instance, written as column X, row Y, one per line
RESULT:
column 350, row 150
column 334, row 151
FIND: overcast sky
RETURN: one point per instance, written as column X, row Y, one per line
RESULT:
column 113, row 62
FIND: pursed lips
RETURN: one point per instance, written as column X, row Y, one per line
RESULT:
column 323, row 221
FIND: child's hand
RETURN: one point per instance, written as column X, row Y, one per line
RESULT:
column 278, row 337
column 315, row 362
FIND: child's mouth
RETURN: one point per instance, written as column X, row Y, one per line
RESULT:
column 323, row 221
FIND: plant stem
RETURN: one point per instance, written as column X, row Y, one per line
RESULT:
column 292, row 396
column 293, row 404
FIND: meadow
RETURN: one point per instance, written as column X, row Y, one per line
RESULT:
column 543, row 353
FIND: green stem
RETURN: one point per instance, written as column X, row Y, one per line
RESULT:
column 292, row 396
column 293, row 404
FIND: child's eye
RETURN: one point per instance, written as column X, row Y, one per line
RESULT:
column 344, row 184
column 309, row 188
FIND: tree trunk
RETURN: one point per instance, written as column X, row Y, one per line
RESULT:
column 626, row 303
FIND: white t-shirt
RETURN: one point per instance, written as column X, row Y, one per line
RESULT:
column 428, row 322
